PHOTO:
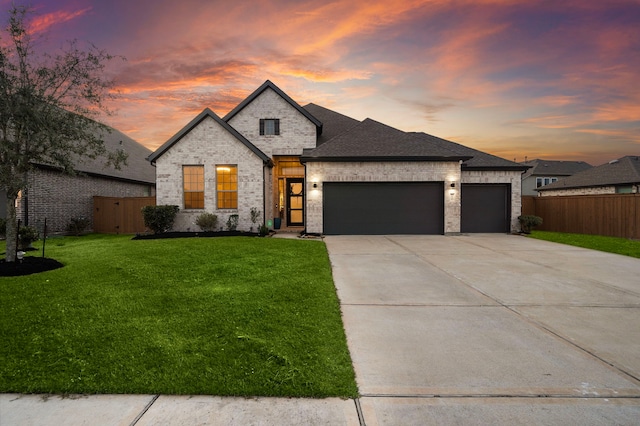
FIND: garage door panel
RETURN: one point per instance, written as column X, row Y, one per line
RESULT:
column 369, row 208
column 485, row 208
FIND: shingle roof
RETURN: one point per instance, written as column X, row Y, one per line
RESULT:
column 193, row 123
column 624, row 171
column 479, row 160
column 554, row 167
column 269, row 85
column 137, row 168
column 374, row 141
column 333, row 123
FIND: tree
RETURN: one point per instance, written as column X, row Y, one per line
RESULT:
column 48, row 106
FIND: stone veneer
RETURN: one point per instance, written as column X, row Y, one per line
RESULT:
column 209, row 144
column 320, row 172
column 593, row 190
column 296, row 131
column 514, row 178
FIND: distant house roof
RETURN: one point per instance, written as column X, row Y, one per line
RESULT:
column 478, row 160
column 193, row 123
column 136, row 169
column 554, row 167
column 269, row 85
column 624, row 171
column 370, row 140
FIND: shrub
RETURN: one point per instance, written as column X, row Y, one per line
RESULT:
column 3, row 227
column 159, row 218
column 27, row 235
column 528, row 222
column 77, row 225
column 255, row 215
column 232, row 222
column 207, row 222
column 264, row 230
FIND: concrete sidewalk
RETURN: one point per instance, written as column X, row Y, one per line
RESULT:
column 481, row 329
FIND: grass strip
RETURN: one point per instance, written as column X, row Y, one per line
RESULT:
column 218, row 316
column 616, row 245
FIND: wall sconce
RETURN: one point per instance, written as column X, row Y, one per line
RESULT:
column 315, row 185
column 453, row 185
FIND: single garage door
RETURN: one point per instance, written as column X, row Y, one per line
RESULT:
column 377, row 208
column 486, row 208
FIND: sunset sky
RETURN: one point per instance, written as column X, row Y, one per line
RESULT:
column 542, row 79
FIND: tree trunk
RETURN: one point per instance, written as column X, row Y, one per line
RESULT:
column 12, row 230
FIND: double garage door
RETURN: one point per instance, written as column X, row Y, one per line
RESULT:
column 378, row 208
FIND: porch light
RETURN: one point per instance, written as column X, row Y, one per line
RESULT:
column 315, row 185
column 453, row 185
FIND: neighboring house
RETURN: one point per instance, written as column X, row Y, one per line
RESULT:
column 545, row 172
column 621, row 176
column 59, row 197
column 320, row 171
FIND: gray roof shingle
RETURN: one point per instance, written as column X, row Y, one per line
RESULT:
column 624, row 171
column 333, row 123
column 370, row 140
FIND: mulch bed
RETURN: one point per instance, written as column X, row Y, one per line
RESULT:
column 195, row 235
column 29, row 265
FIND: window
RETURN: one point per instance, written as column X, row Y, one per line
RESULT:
column 193, row 184
column 269, row 126
column 544, row 181
column 227, row 185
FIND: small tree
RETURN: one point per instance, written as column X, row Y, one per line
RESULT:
column 46, row 107
column 159, row 218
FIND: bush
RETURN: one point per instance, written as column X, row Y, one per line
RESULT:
column 528, row 222
column 255, row 215
column 207, row 222
column 77, row 225
column 264, row 230
column 3, row 227
column 27, row 235
column 232, row 222
column 159, row 219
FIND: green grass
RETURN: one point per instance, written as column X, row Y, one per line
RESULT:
column 219, row 316
column 616, row 245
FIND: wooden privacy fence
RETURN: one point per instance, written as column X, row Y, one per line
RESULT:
column 615, row 215
column 112, row 215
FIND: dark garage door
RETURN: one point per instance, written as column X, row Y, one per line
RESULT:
column 368, row 208
column 486, row 207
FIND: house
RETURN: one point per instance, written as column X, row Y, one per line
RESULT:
column 310, row 168
column 59, row 197
column 545, row 172
column 621, row 176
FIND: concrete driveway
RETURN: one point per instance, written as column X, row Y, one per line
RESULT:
column 489, row 329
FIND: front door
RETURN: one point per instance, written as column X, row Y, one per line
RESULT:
column 295, row 202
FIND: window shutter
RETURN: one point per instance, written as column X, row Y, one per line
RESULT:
column 276, row 127
column 262, row 126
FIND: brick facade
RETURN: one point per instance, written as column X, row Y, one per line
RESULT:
column 319, row 172
column 209, row 144
column 514, row 178
column 59, row 197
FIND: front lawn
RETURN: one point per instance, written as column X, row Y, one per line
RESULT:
column 220, row 316
column 596, row 242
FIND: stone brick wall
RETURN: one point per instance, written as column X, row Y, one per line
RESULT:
column 597, row 190
column 59, row 197
column 209, row 144
column 511, row 177
column 319, row 172
column 296, row 131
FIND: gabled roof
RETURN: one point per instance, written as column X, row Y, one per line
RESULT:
column 193, row 123
column 269, row 85
column 554, row 168
column 374, row 141
column 478, row 160
column 624, row 171
column 333, row 123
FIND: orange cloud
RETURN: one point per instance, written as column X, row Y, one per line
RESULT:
column 42, row 23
